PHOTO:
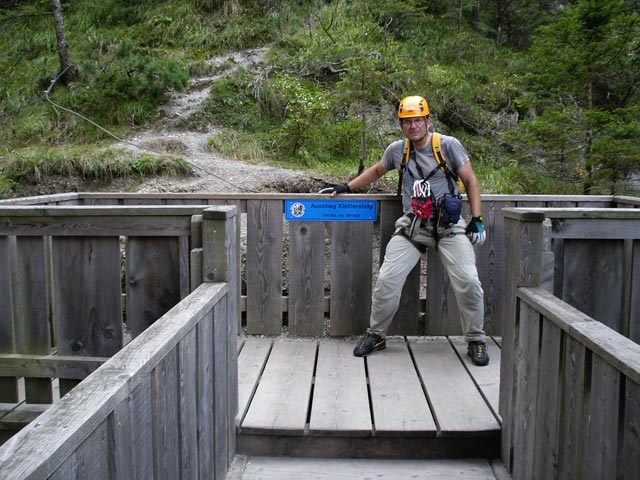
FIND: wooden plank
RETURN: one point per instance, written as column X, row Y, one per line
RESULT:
column 132, row 432
column 595, row 263
column 90, row 323
column 572, row 424
column 525, row 407
column 629, row 467
column 486, row 378
column 282, row 468
column 282, row 398
column 546, row 443
column 457, row 404
column 604, row 402
column 351, row 267
column 443, row 315
column 306, row 278
column 398, row 401
column 264, row 267
column 90, row 460
column 152, row 280
column 164, row 408
column 188, row 405
column 205, row 368
column 50, row 366
column 251, row 362
column 221, row 420
column 31, row 310
column 634, row 302
column 8, row 385
column 340, row 398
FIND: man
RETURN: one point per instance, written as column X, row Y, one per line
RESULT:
column 424, row 186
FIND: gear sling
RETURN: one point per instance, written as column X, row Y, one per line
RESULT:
column 448, row 207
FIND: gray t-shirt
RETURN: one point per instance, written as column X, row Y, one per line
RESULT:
column 454, row 154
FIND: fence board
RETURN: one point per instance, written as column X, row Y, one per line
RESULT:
column 572, row 408
column 634, row 307
column 630, row 465
column 133, row 434
column 153, row 279
column 205, row 367
column 351, row 266
column 546, row 446
column 89, row 324
column 221, row 421
column 264, row 266
column 164, row 404
column 8, row 385
column 31, row 310
column 188, row 403
column 526, row 357
column 306, row 266
column 589, row 265
column 602, row 447
column 90, row 460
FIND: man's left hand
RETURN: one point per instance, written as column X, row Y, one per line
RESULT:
column 475, row 231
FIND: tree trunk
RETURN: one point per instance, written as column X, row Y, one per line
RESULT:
column 63, row 52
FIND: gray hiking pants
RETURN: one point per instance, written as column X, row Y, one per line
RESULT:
column 457, row 256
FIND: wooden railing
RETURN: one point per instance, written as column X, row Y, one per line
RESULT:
column 162, row 407
column 310, row 278
column 570, row 383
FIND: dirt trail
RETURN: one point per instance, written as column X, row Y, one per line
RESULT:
column 212, row 173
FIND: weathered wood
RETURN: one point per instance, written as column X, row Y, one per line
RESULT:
column 8, row 385
column 282, row 398
column 590, row 265
column 264, row 267
column 206, row 439
column 306, row 267
column 351, row 266
column 634, row 287
column 50, row 366
column 164, row 404
column 546, row 447
column 132, row 432
column 89, row 461
column 222, row 423
column 457, row 405
column 279, row 468
column 487, row 379
column 523, row 264
column 340, row 399
column 188, row 404
column 88, row 324
column 251, row 362
column 572, row 421
column 527, row 365
column 602, row 439
column 398, row 400
column 36, row 451
column 152, row 280
column 629, row 467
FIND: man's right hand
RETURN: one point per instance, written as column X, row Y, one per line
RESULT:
column 336, row 189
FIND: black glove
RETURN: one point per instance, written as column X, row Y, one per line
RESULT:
column 336, row 189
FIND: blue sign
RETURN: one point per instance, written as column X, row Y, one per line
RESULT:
column 331, row 210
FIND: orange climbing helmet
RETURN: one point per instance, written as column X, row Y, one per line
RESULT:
column 414, row 106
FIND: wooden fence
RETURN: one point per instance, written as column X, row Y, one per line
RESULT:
column 569, row 382
column 162, row 407
column 310, row 278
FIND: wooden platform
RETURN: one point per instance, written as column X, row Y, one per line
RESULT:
column 419, row 398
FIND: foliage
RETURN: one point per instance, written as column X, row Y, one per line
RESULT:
column 543, row 96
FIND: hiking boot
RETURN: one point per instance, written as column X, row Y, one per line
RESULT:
column 370, row 342
column 479, row 353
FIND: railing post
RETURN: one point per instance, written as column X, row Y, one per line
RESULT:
column 523, row 268
column 219, row 264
